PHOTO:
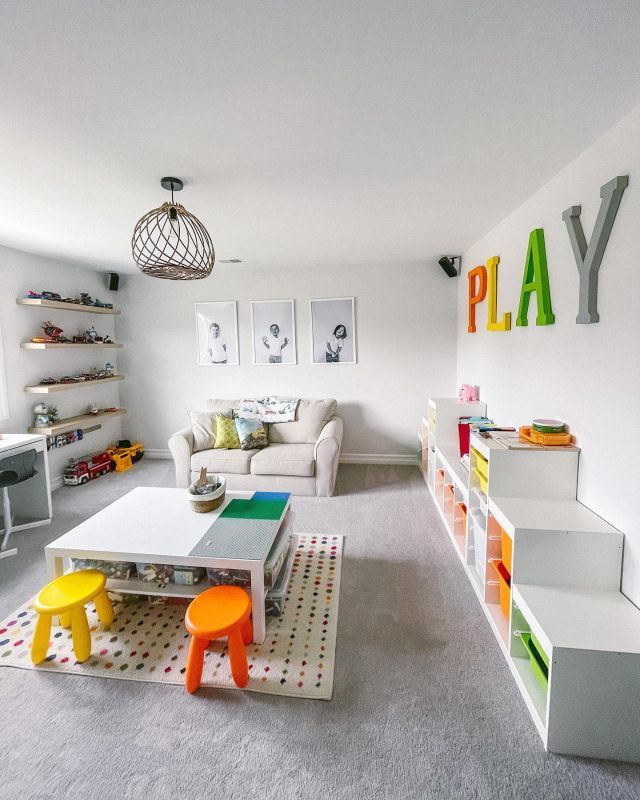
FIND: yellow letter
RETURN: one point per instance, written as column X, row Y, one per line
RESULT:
column 492, row 291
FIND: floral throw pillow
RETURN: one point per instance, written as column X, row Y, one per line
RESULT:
column 251, row 433
column 226, row 434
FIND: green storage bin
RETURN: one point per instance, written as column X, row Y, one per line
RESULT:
column 538, row 665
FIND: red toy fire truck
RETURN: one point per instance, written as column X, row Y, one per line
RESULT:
column 82, row 470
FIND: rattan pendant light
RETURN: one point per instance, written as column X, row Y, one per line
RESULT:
column 171, row 243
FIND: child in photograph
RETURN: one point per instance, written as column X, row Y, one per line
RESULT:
column 274, row 344
column 217, row 345
column 335, row 344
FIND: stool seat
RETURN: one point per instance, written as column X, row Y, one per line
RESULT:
column 66, row 597
column 216, row 612
column 67, row 591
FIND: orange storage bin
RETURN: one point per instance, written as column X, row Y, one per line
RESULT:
column 504, row 579
column 549, row 439
column 507, row 547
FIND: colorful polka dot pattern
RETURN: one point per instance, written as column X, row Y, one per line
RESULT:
column 149, row 642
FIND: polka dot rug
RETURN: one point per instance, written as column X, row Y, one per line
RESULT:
column 148, row 642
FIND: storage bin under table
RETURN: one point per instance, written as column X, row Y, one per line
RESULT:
column 154, row 526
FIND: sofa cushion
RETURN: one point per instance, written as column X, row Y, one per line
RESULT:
column 222, row 406
column 203, row 427
column 232, row 461
column 284, row 459
column 311, row 417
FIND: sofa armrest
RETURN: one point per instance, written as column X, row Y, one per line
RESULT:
column 181, row 447
column 327, row 456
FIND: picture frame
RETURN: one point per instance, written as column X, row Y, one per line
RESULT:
column 211, row 346
column 329, row 344
column 273, row 327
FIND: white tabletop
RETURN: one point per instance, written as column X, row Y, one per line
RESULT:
column 146, row 524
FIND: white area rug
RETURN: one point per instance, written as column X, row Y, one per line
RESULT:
column 149, row 642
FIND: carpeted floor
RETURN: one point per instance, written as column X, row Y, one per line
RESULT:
column 423, row 707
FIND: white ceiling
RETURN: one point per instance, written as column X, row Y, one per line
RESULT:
column 308, row 133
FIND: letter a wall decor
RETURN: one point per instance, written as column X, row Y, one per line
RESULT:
column 588, row 258
column 536, row 279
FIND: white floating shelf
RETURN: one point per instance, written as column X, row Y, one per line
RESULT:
column 69, row 345
column 28, row 301
column 48, row 388
column 71, row 423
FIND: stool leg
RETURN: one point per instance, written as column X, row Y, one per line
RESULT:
column 104, row 609
column 247, row 631
column 80, row 633
column 40, row 643
column 65, row 619
column 195, row 662
column 238, row 658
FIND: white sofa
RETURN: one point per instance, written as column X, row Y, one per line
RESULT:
column 302, row 456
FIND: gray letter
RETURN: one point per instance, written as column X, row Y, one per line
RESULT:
column 589, row 258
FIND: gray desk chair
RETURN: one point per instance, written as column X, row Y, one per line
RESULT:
column 13, row 470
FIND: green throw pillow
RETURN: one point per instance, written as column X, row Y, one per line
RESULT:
column 226, row 434
column 252, row 434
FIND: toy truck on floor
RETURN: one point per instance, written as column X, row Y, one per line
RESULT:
column 124, row 454
column 83, row 470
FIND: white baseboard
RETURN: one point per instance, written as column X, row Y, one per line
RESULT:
column 390, row 459
column 379, row 458
column 157, row 453
column 345, row 458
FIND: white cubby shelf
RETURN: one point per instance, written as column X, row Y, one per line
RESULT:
column 563, row 603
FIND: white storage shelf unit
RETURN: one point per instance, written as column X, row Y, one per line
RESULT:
column 565, row 564
column 444, row 474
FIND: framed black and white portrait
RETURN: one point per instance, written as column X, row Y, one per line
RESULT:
column 217, row 333
column 274, row 332
column 333, row 331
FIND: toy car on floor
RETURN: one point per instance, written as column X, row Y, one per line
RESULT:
column 125, row 454
column 82, row 470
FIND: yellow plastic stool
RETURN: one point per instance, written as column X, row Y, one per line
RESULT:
column 66, row 597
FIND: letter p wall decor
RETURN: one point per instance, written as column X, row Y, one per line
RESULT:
column 589, row 257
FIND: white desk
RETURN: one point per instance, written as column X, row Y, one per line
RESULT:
column 31, row 499
column 158, row 526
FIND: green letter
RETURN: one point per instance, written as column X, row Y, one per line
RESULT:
column 536, row 279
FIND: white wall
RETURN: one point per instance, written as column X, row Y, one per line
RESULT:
column 20, row 272
column 405, row 320
column 586, row 374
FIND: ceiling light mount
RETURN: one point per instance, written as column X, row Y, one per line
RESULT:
column 168, row 242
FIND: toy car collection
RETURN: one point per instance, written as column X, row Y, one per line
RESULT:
column 84, row 299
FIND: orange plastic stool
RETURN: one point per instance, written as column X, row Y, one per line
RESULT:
column 217, row 612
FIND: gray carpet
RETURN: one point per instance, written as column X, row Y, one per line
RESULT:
column 424, row 705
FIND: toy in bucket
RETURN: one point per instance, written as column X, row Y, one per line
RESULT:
column 207, row 493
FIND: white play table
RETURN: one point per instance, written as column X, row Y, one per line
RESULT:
column 157, row 526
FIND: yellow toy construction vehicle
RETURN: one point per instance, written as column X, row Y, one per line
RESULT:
column 124, row 454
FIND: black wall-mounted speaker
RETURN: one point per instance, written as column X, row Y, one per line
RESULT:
column 113, row 279
column 448, row 264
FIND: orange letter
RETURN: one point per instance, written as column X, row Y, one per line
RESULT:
column 477, row 293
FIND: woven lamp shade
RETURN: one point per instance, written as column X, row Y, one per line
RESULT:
column 171, row 243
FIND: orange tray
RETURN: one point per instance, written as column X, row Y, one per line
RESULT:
column 555, row 439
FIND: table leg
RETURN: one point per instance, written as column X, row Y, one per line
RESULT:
column 257, row 603
column 55, row 565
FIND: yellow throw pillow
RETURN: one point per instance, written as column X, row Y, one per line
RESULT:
column 226, row 434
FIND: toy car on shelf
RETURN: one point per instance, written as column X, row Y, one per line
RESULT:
column 83, row 470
